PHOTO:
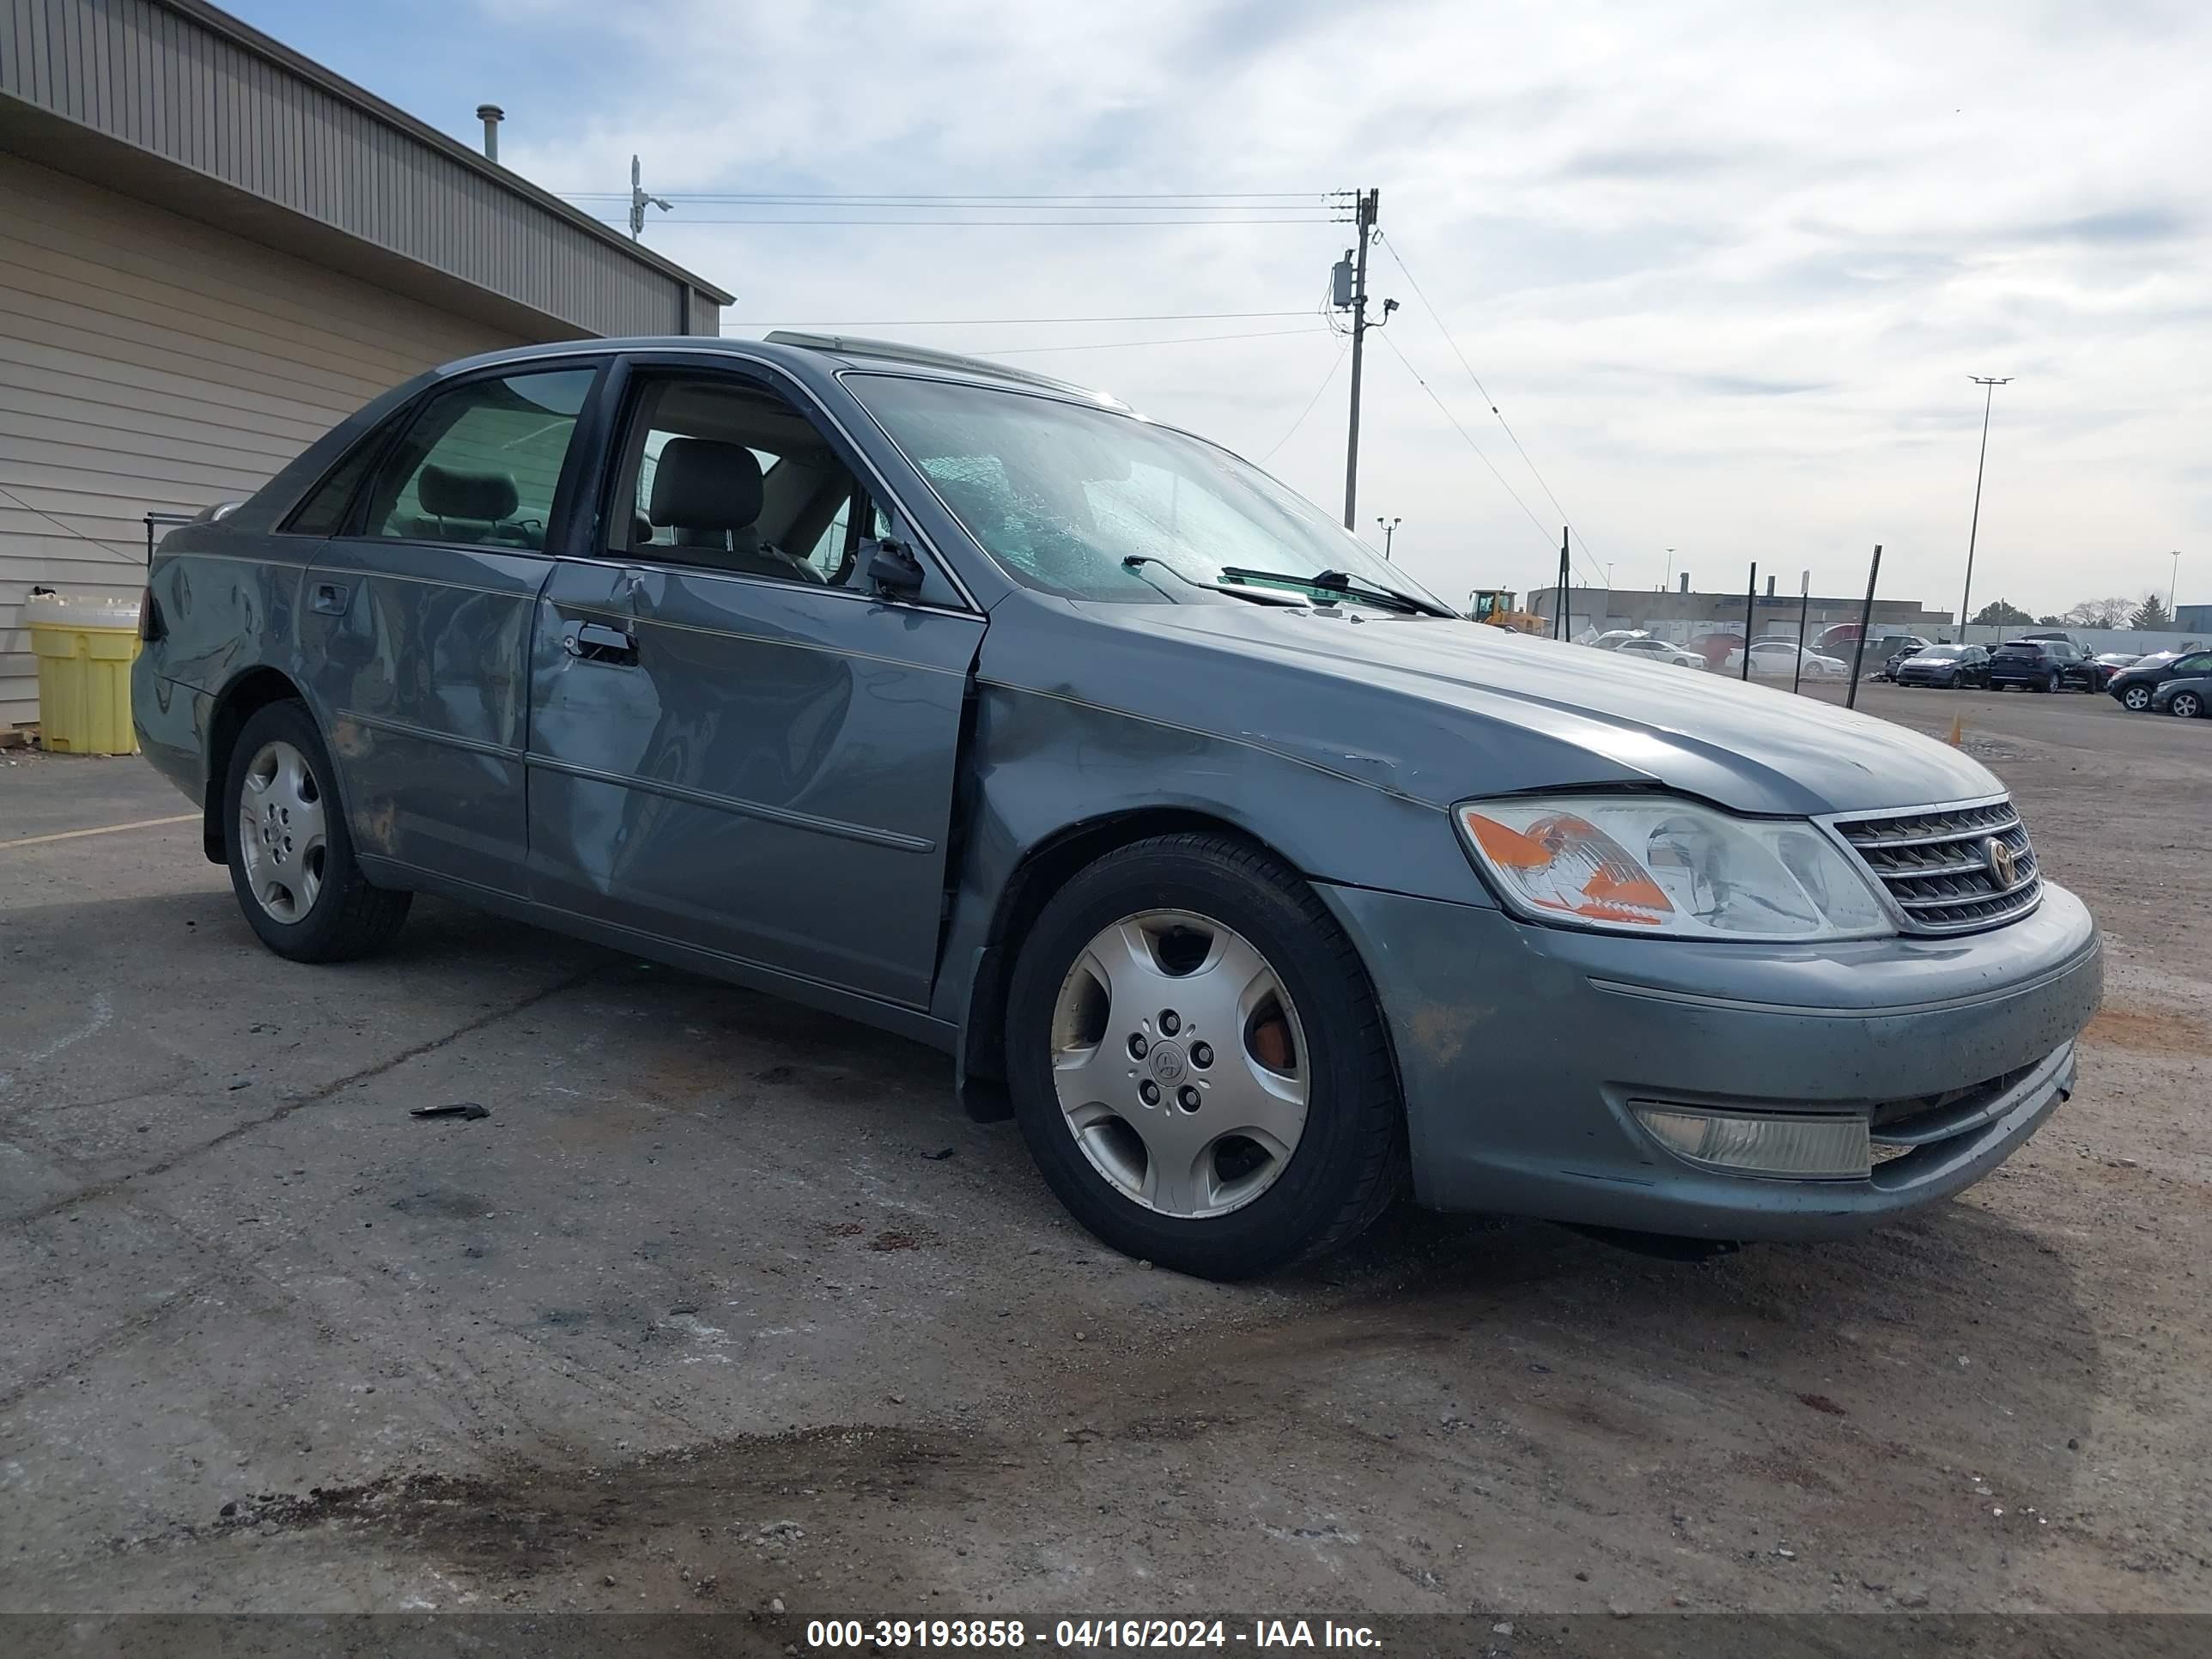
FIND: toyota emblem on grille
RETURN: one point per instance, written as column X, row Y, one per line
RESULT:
column 2004, row 863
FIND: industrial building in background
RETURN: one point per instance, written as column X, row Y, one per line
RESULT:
column 211, row 248
column 1677, row 613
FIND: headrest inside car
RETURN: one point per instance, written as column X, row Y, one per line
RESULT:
column 451, row 493
column 705, row 483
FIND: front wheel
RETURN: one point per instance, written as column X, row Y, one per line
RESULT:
column 2186, row 704
column 2136, row 698
column 290, row 854
column 1198, row 1061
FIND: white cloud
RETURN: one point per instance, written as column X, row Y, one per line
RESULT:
column 1726, row 269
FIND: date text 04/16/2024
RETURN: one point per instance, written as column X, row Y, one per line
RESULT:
column 892, row 1635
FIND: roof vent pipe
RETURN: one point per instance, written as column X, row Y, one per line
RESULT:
column 491, row 115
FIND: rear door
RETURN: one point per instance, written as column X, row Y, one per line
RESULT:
column 735, row 742
column 415, row 627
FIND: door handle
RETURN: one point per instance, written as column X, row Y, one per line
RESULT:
column 329, row 599
column 597, row 643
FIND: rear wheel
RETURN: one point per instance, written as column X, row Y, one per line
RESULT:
column 2187, row 704
column 1198, row 1062
column 291, row 857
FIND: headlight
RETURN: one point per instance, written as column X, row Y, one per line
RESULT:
column 1650, row 865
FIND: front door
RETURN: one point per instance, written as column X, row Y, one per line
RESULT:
column 414, row 629
column 734, row 742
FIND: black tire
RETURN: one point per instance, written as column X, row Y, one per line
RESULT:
column 2185, row 704
column 1350, row 1159
column 348, row 916
column 2136, row 698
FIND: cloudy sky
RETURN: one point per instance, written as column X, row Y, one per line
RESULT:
column 1725, row 268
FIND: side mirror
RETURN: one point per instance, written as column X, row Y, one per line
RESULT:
column 893, row 570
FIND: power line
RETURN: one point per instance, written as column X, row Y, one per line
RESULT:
column 1542, row 528
column 1335, row 363
column 1565, row 517
column 1116, row 345
column 988, row 322
column 815, row 198
column 1096, row 224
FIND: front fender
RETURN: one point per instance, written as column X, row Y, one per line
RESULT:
column 1043, row 766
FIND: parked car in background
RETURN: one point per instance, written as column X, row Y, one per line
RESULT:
column 1613, row 639
column 1950, row 666
column 2188, row 696
column 1231, row 864
column 2134, row 686
column 1660, row 651
column 2039, row 665
column 2106, row 664
column 1774, row 658
column 1884, row 652
column 1715, row 647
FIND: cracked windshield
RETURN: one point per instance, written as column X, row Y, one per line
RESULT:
column 1088, row 504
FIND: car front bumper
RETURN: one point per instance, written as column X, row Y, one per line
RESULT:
column 1520, row 1047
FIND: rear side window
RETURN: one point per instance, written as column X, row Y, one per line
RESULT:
column 324, row 511
column 482, row 463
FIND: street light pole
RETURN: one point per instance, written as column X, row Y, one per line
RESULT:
column 1389, row 528
column 2173, row 588
column 1989, row 384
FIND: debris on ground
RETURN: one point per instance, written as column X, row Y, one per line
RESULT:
column 467, row 1110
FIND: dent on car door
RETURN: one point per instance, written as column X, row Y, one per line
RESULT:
column 415, row 627
column 735, row 742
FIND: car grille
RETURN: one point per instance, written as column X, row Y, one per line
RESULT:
column 1935, row 864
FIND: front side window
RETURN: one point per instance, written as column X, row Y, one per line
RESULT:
column 482, row 463
column 720, row 472
column 1063, row 495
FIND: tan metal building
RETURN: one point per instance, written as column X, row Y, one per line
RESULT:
column 210, row 249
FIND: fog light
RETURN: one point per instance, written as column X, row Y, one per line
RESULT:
column 1809, row 1148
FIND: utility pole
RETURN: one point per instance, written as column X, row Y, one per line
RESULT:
column 1389, row 529
column 1348, row 292
column 2173, row 588
column 639, row 201
column 1989, row 384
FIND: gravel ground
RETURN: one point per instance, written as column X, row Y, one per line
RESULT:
column 725, row 1305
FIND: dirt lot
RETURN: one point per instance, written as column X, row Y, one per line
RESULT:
column 725, row 1301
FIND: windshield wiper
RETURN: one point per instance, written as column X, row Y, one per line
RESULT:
column 1254, row 595
column 1343, row 582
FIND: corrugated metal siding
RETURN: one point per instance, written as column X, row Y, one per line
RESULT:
column 146, row 75
column 148, row 363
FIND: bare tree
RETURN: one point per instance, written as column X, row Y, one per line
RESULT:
column 2100, row 613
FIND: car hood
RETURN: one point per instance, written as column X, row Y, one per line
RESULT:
column 1443, row 710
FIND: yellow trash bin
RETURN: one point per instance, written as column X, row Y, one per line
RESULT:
column 85, row 648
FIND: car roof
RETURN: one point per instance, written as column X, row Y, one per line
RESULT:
column 810, row 356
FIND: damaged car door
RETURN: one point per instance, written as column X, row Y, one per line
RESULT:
column 746, row 700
